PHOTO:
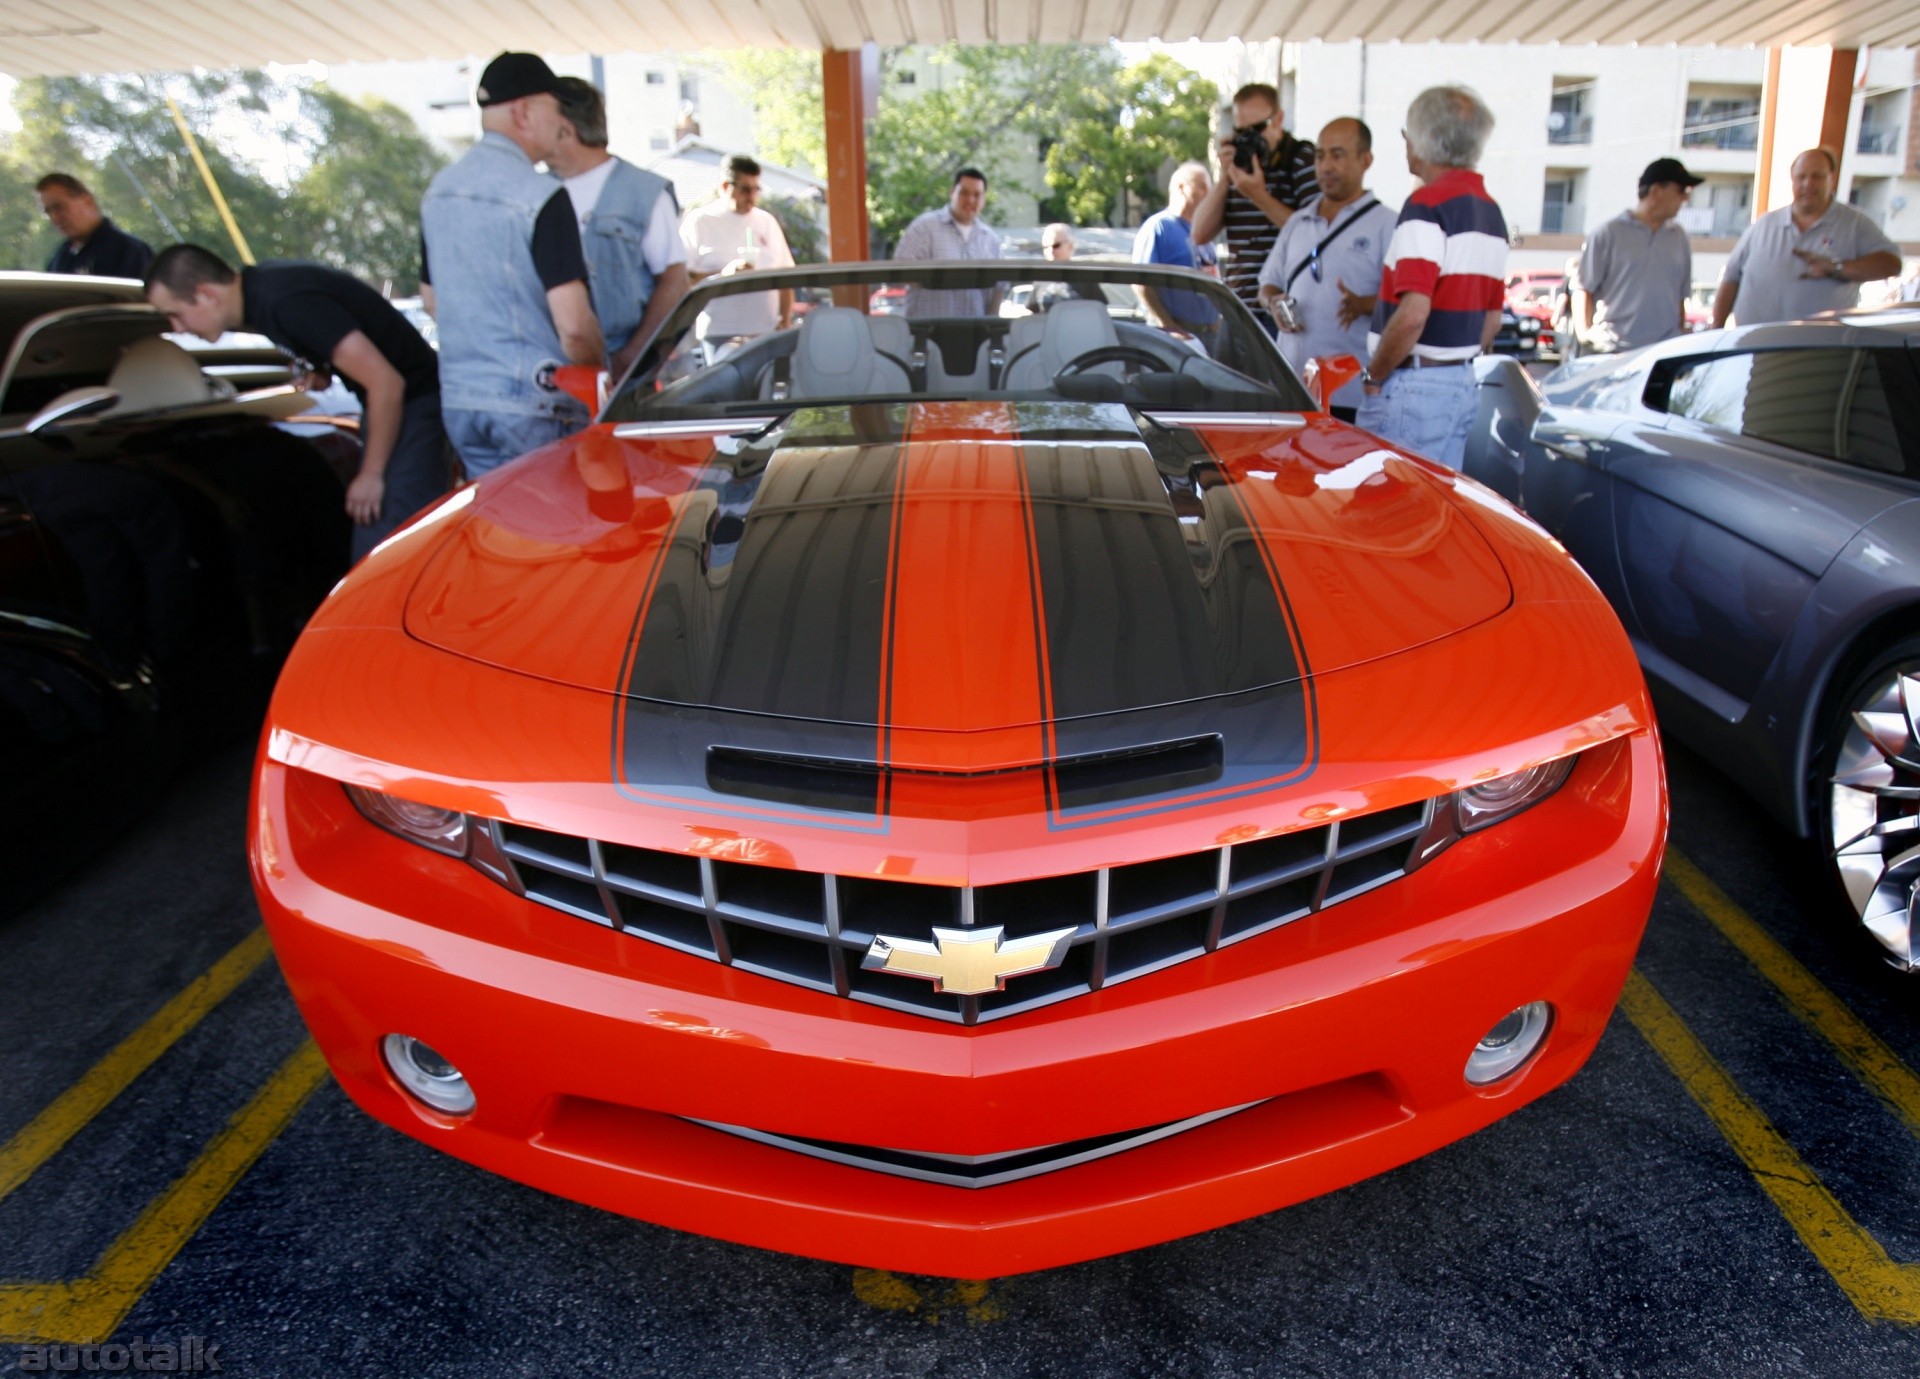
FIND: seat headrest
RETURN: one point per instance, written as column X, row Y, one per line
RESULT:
column 157, row 375
column 1073, row 327
column 835, row 347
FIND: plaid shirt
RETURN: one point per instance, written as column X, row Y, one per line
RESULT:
column 936, row 236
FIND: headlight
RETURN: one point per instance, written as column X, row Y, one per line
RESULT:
column 1479, row 806
column 443, row 830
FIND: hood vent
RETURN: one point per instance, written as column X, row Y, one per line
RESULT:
column 1079, row 781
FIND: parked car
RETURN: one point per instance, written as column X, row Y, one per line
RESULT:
column 161, row 542
column 1523, row 337
column 958, row 794
column 1746, row 500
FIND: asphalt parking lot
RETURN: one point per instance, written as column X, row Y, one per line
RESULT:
column 1727, row 1189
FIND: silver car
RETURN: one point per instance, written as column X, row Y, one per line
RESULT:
column 1746, row 500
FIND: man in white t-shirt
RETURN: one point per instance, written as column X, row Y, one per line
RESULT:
column 627, row 217
column 733, row 235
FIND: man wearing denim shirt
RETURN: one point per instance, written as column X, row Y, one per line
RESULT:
column 629, row 226
column 503, row 273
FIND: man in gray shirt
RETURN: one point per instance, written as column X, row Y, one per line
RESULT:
column 1638, row 267
column 955, row 231
column 1807, row 257
column 1334, row 287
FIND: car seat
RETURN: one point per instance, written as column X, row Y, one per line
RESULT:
column 1038, row 347
column 835, row 357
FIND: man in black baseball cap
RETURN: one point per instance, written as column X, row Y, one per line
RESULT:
column 1637, row 269
column 503, row 272
column 514, row 76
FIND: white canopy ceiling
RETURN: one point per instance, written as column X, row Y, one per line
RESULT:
column 60, row 37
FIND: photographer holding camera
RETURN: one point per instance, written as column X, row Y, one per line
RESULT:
column 1265, row 176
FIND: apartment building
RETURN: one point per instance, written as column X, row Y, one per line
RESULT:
column 1576, row 125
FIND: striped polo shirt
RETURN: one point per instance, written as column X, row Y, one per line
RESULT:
column 1450, row 245
column 1249, row 234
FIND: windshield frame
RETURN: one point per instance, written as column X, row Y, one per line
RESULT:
column 854, row 283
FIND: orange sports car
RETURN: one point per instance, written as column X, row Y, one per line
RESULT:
column 960, row 791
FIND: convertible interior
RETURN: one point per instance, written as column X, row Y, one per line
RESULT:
column 1075, row 351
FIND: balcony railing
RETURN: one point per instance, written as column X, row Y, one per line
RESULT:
column 1569, row 129
column 1562, row 218
column 1728, row 134
column 1878, row 141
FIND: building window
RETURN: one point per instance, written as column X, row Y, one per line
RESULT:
column 1722, row 206
column 905, row 78
column 1561, row 211
column 1722, row 117
column 1880, row 119
column 690, row 90
column 656, row 78
column 659, row 141
column 1570, row 118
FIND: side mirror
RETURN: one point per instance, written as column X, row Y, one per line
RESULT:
column 583, row 382
column 1327, row 374
column 75, row 402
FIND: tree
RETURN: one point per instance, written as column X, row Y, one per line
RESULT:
column 357, row 206
column 347, row 190
column 1113, row 155
column 990, row 113
column 117, row 135
column 783, row 86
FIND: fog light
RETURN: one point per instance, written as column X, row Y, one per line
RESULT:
column 1510, row 1043
column 427, row 1075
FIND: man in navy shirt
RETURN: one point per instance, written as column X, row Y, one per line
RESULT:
column 94, row 244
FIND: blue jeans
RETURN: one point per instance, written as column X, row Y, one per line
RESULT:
column 418, row 472
column 1427, row 411
column 487, row 440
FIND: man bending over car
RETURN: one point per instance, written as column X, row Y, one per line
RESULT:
column 330, row 322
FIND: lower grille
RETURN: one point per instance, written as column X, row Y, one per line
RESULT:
column 980, row 1170
column 813, row 928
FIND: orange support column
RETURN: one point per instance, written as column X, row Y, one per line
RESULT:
column 1833, row 115
column 1806, row 101
column 848, row 81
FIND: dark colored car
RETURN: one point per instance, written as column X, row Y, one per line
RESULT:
column 161, row 543
column 1746, row 499
column 1523, row 337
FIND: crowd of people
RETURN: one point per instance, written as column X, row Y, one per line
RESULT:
column 1289, row 225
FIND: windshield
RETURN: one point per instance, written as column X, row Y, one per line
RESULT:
column 1009, row 331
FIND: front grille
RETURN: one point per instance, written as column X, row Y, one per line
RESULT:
column 814, row 928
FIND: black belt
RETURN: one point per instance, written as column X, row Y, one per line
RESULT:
column 1414, row 361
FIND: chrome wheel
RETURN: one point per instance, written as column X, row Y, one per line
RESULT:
column 1873, row 810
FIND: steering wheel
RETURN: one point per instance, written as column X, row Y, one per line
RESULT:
column 1115, row 354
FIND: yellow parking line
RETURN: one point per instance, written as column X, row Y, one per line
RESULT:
column 1876, row 1065
column 1880, row 1288
column 86, row 1311
column 43, row 1136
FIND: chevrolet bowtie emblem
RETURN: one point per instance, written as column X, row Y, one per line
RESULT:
column 967, row 962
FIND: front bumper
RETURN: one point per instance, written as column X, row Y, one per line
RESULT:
column 593, row 1053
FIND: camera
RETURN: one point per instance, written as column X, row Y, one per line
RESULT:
column 1249, row 148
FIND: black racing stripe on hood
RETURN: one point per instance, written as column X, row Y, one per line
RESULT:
column 774, row 602
column 1153, row 588
column 1241, row 672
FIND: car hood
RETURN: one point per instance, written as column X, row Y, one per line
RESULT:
column 956, row 569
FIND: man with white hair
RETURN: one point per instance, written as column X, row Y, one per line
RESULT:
column 1441, row 285
column 502, row 270
column 1167, row 237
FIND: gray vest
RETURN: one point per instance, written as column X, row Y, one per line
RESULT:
column 496, row 329
column 614, row 244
